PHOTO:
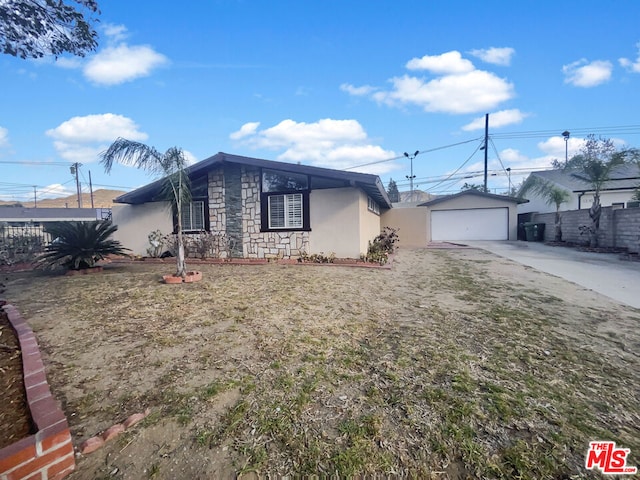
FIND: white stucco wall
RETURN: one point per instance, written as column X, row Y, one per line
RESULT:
column 334, row 222
column 136, row 222
column 369, row 223
column 607, row 198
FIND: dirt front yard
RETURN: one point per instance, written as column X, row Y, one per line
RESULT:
column 454, row 364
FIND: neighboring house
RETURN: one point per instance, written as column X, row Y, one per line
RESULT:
column 265, row 209
column 468, row 215
column 19, row 216
column 616, row 192
column 418, row 196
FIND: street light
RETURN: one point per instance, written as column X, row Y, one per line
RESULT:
column 412, row 176
column 566, row 134
column 509, row 175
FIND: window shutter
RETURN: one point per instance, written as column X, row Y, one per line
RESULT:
column 294, row 211
column 198, row 215
column 276, row 211
column 186, row 216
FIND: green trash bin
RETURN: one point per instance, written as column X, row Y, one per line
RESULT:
column 538, row 232
column 534, row 231
column 529, row 231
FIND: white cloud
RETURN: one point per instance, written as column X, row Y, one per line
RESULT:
column 357, row 91
column 4, row 137
column 497, row 119
column 189, row 157
column 466, row 93
column 115, row 33
column 326, row 143
column 70, row 63
column 246, row 130
column 584, row 74
column 91, row 128
column 555, row 146
column 123, row 63
column 81, row 139
column 457, row 89
column 447, row 63
column 632, row 66
column 55, row 190
column 118, row 62
column 497, row 56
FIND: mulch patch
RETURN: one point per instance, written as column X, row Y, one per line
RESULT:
column 15, row 418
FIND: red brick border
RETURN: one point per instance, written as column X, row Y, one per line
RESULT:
column 47, row 454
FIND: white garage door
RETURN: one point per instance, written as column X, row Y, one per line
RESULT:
column 470, row 224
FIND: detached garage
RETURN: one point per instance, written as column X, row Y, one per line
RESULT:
column 472, row 215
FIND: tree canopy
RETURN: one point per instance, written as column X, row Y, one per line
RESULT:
column 38, row 28
column 392, row 190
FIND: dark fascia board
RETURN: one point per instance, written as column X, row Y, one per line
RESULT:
column 475, row 193
column 371, row 184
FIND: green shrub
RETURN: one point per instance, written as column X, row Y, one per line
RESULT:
column 382, row 246
column 79, row 245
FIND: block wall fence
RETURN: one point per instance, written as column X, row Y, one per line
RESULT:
column 47, row 454
column 619, row 227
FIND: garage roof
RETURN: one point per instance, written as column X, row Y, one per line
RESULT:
column 446, row 198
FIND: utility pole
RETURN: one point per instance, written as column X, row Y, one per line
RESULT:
column 566, row 135
column 486, row 148
column 412, row 176
column 74, row 171
column 35, row 198
column 91, row 189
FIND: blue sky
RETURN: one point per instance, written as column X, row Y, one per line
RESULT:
column 329, row 83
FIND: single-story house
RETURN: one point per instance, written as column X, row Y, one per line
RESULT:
column 617, row 192
column 468, row 215
column 264, row 208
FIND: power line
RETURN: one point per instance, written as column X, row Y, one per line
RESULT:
column 418, row 152
column 615, row 130
column 460, row 167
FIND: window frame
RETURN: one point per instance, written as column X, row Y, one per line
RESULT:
column 373, row 206
column 205, row 217
column 265, row 206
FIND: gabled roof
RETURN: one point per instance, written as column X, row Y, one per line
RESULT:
column 371, row 184
column 623, row 177
column 474, row 193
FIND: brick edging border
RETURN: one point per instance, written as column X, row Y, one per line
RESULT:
column 47, row 454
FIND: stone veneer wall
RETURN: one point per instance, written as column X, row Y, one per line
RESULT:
column 257, row 244
column 234, row 209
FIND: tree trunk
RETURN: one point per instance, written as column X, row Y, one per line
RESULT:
column 558, row 225
column 181, row 266
column 594, row 213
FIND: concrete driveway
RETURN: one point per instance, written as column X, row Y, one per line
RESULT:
column 604, row 273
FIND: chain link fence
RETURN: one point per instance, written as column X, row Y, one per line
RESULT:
column 20, row 244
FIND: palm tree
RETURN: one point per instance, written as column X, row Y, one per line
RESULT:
column 170, row 165
column 80, row 245
column 599, row 159
column 552, row 195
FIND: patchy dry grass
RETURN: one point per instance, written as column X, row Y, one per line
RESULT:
column 454, row 364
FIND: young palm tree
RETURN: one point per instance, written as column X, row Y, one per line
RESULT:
column 79, row 245
column 170, row 165
column 599, row 158
column 552, row 195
